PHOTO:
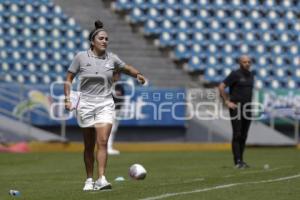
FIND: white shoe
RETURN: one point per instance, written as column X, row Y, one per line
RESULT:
column 113, row 152
column 102, row 184
column 88, row 184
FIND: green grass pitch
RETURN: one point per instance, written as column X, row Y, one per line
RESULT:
column 171, row 175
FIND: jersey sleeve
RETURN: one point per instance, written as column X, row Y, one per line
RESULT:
column 118, row 63
column 75, row 65
column 230, row 79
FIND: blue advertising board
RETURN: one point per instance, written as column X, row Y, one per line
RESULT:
column 143, row 106
column 155, row 107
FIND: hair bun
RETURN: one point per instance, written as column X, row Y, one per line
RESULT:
column 98, row 24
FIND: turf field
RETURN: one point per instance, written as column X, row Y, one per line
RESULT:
column 171, row 175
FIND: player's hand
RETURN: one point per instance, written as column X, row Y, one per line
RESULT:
column 141, row 79
column 68, row 106
column 231, row 105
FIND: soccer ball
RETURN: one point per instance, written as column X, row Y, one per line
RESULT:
column 137, row 171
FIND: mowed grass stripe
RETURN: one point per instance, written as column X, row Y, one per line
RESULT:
column 52, row 176
column 167, row 195
column 131, row 147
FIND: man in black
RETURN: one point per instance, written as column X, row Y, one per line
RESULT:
column 240, row 83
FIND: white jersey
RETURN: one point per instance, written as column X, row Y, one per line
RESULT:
column 95, row 73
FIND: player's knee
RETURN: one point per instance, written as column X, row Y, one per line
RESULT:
column 237, row 136
column 244, row 137
column 102, row 142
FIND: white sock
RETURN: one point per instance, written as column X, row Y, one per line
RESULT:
column 89, row 179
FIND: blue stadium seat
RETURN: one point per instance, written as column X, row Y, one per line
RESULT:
column 156, row 4
column 152, row 27
column 137, row 15
column 183, row 37
column 183, row 26
column 205, row 34
column 196, row 63
column 182, row 51
column 168, row 26
column 123, row 5
column 187, row 15
column 212, row 75
column 167, row 39
column 141, row 4
column 172, row 4
column 35, row 38
column 171, row 14
column 291, row 84
column 154, row 14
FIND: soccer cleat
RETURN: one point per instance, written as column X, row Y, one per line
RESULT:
column 102, row 184
column 88, row 184
column 239, row 166
column 245, row 165
column 113, row 152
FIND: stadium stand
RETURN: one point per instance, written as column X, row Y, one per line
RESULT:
column 208, row 35
column 37, row 41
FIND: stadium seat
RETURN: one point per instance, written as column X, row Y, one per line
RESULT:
column 212, row 75
column 123, row 5
column 166, row 39
column 182, row 51
column 266, row 30
column 137, row 15
column 204, row 34
column 151, row 27
column 35, row 36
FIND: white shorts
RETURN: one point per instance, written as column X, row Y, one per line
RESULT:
column 91, row 111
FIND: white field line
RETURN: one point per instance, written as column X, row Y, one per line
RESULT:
column 258, row 171
column 221, row 187
column 266, row 170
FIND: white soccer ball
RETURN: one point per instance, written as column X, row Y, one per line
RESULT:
column 266, row 166
column 137, row 171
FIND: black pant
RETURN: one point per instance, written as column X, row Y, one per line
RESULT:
column 240, row 126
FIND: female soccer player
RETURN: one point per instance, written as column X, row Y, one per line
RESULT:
column 95, row 109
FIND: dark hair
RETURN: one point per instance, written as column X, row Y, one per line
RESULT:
column 98, row 27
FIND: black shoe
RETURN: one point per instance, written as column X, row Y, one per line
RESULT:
column 239, row 165
column 245, row 165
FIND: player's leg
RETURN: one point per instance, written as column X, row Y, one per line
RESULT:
column 110, row 149
column 245, row 128
column 89, row 156
column 102, row 134
column 85, row 118
column 246, row 122
column 236, row 135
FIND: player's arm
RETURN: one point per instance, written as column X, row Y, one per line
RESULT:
column 67, row 90
column 224, row 95
column 131, row 71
